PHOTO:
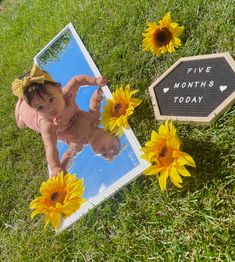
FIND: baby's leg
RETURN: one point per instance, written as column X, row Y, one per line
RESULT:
column 20, row 123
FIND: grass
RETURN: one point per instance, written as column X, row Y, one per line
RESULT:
column 139, row 223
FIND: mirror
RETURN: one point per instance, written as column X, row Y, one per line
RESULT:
column 65, row 57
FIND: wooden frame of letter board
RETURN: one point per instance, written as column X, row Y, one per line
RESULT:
column 199, row 120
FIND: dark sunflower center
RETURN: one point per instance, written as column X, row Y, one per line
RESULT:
column 54, row 196
column 58, row 196
column 163, row 152
column 119, row 109
column 165, row 156
column 163, row 36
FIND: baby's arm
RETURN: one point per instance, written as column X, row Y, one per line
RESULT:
column 69, row 154
column 49, row 137
column 82, row 80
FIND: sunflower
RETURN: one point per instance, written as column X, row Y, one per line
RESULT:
column 117, row 110
column 61, row 196
column 162, row 38
column 164, row 155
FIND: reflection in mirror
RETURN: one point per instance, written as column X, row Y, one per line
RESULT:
column 64, row 58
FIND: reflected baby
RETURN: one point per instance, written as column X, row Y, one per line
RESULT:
column 47, row 108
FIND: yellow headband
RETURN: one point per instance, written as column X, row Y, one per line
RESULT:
column 36, row 76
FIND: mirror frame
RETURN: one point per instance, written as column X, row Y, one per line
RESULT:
column 135, row 145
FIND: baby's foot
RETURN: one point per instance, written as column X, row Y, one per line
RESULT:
column 96, row 99
column 100, row 94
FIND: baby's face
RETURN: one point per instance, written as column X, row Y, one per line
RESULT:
column 105, row 144
column 51, row 104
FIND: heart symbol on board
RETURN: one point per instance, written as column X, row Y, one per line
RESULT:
column 222, row 88
column 165, row 90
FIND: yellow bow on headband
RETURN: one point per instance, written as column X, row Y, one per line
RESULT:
column 36, row 76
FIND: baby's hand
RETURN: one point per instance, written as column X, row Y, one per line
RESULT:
column 55, row 171
column 101, row 81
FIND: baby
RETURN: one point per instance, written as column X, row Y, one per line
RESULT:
column 52, row 111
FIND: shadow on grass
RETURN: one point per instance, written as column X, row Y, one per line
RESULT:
column 210, row 163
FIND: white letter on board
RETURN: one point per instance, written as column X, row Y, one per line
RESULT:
column 211, row 83
column 176, row 85
column 200, row 98
column 189, row 70
column 187, row 100
column 176, row 97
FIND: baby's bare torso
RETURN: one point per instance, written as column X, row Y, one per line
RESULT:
column 79, row 128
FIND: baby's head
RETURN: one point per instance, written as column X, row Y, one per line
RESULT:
column 41, row 92
column 105, row 144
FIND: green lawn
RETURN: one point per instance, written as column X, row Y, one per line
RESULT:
column 140, row 223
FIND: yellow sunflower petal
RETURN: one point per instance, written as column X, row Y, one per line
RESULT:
column 70, row 209
column 176, row 183
column 55, row 218
column 178, row 30
column 36, row 212
column 166, row 20
column 162, row 179
column 183, row 171
column 163, row 129
column 184, row 159
column 47, row 220
column 189, row 159
column 152, row 170
column 173, row 173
